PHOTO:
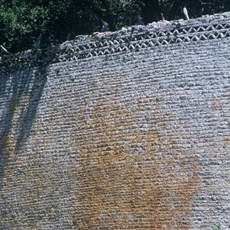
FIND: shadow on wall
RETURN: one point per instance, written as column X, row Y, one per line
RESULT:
column 20, row 93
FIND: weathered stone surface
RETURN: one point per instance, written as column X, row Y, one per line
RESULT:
column 123, row 130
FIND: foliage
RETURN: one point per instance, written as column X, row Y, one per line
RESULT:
column 22, row 21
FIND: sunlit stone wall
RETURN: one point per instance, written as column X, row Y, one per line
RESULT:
column 122, row 130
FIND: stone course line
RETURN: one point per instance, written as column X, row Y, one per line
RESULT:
column 144, row 40
column 131, row 39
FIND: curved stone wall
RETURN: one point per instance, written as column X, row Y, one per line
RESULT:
column 120, row 130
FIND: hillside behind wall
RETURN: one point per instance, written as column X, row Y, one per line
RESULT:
column 122, row 130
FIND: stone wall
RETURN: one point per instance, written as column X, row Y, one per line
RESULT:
column 122, row 130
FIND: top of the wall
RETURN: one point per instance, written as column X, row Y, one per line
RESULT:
column 130, row 39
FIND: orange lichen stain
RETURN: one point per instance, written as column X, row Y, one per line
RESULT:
column 226, row 141
column 7, row 146
column 8, row 150
column 12, row 105
column 215, row 105
column 31, row 177
column 127, row 177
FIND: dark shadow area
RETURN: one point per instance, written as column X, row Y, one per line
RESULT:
column 15, row 86
column 151, row 11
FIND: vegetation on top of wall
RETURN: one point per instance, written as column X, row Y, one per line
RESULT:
column 22, row 22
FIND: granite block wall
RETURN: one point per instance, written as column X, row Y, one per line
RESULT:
column 122, row 130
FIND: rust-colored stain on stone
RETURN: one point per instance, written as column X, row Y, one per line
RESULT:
column 130, row 176
column 215, row 105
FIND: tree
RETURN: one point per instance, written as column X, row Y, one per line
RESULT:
column 22, row 21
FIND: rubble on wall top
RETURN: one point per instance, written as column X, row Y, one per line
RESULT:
column 128, row 39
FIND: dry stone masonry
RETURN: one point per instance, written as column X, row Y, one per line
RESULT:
column 119, row 130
